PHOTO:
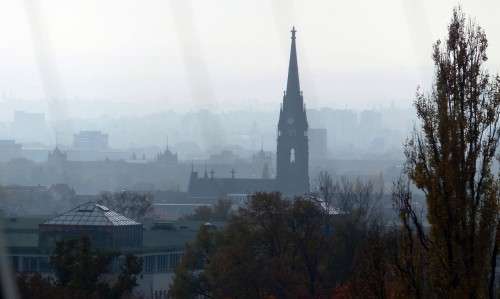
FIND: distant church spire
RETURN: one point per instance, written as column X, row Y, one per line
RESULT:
column 292, row 155
column 293, row 85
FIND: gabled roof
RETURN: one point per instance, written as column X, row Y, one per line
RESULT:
column 91, row 214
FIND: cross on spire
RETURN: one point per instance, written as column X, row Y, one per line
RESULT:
column 293, row 85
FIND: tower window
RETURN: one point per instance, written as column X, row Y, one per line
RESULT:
column 292, row 155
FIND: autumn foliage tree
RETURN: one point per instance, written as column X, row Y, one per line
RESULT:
column 450, row 159
column 272, row 248
column 276, row 247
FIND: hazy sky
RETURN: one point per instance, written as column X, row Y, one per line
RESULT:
column 227, row 53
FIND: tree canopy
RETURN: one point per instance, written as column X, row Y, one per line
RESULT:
column 81, row 272
column 131, row 204
column 450, row 158
column 272, row 247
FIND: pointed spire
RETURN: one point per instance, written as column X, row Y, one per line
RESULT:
column 293, row 85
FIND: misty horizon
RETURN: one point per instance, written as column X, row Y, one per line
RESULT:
column 170, row 53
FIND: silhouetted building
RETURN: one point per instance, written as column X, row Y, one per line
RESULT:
column 105, row 228
column 370, row 120
column 292, row 177
column 262, row 161
column 292, row 171
column 209, row 188
column 90, row 140
column 57, row 157
column 9, row 150
column 160, row 246
column 92, row 177
column 224, row 157
column 166, row 157
column 318, row 144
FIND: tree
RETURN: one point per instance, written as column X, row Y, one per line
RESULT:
column 220, row 211
column 131, row 204
column 77, row 267
column 373, row 275
column 190, row 281
column 36, row 286
column 80, row 273
column 355, row 197
column 450, row 159
column 362, row 220
column 326, row 187
column 271, row 248
column 130, row 268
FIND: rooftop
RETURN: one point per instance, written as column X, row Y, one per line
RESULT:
column 91, row 214
column 21, row 234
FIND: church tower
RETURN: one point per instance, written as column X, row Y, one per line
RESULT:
column 292, row 152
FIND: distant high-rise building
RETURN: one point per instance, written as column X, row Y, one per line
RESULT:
column 293, row 149
column 370, row 121
column 318, row 143
column 90, row 140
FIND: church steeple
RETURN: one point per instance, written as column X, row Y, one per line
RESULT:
column 292, row 171
column 293, row 84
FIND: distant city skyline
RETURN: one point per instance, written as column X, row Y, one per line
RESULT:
column 355, row 54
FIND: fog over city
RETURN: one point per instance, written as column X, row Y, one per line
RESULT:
column 335, row 147
column 93, row 62
column 152, row 55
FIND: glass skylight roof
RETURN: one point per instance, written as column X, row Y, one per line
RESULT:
column 91, row 214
